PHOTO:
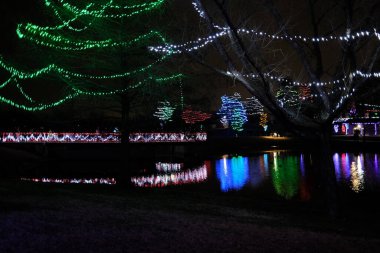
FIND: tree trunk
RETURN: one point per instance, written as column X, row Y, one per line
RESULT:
column 327, row 169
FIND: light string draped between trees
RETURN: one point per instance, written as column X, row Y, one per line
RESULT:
column 318, row 89
column 85, row 19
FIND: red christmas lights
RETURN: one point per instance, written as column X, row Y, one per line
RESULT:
column 192, row 117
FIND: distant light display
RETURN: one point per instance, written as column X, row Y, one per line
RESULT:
column 353, row 111
column 336, row 128
column 169, row 167
column 253, row 106
column 47, row 137
column 177, row 178
column 167, row 137
column 288, row 96
column 224, row 122
column 106, row 181
column 264, row 120
column 164, row 111
column 234, row 112
column 304, row 92
column 346, row 128
column 343, row 120
column 191, row 116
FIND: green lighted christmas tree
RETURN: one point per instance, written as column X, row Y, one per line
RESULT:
column 164, row 111
column 87, row 48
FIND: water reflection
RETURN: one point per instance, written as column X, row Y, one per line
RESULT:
column 289, row 174
column 189, row 176
column 258, row 170
column 357, row 174
column 232, row 172
column 358, row 170
column 286, row 175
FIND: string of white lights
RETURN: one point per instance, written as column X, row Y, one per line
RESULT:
column 169, row 167
column 202, row 42
column 46, row 137
column 347, row 37
column 198, row 9
column 369, row 105
column 107, row 181
column 354, row 74
column 342, row 100
column 345, row 119
column 167, row 137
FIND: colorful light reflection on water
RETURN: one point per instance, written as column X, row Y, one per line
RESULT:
column 189, row 176
column 288, row 174
column 232, row 172
column 357, row 170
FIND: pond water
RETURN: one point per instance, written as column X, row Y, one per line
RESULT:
column 282, row 176
column 295, row 176
column 276, row 173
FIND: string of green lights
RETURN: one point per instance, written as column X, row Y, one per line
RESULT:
column 42, row 37
column 79, row 92
column 20, row 74
column 25, row 95
column 66, row 23
column 66, row 36
column 102, row 13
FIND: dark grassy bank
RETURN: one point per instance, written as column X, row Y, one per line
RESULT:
column 67, row 218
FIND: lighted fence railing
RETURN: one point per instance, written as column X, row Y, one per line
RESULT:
column 177, row 178
column 169, row 167
column 106, row 181
column 47, row 137
column 167, row 137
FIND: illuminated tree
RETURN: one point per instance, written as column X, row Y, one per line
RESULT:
column 288, row 97
column 304, row 92
column 164, row 111
column 191, row 116
column 263, row 121
column 88, row 48
column 233, row 110
column 253, row 106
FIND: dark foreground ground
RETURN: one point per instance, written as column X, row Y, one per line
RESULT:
column 66, row 218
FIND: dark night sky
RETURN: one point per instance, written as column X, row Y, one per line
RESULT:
column 12, row 13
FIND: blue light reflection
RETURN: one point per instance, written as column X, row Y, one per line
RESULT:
column 232, row 173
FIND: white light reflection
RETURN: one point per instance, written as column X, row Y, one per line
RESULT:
column 357, row 174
